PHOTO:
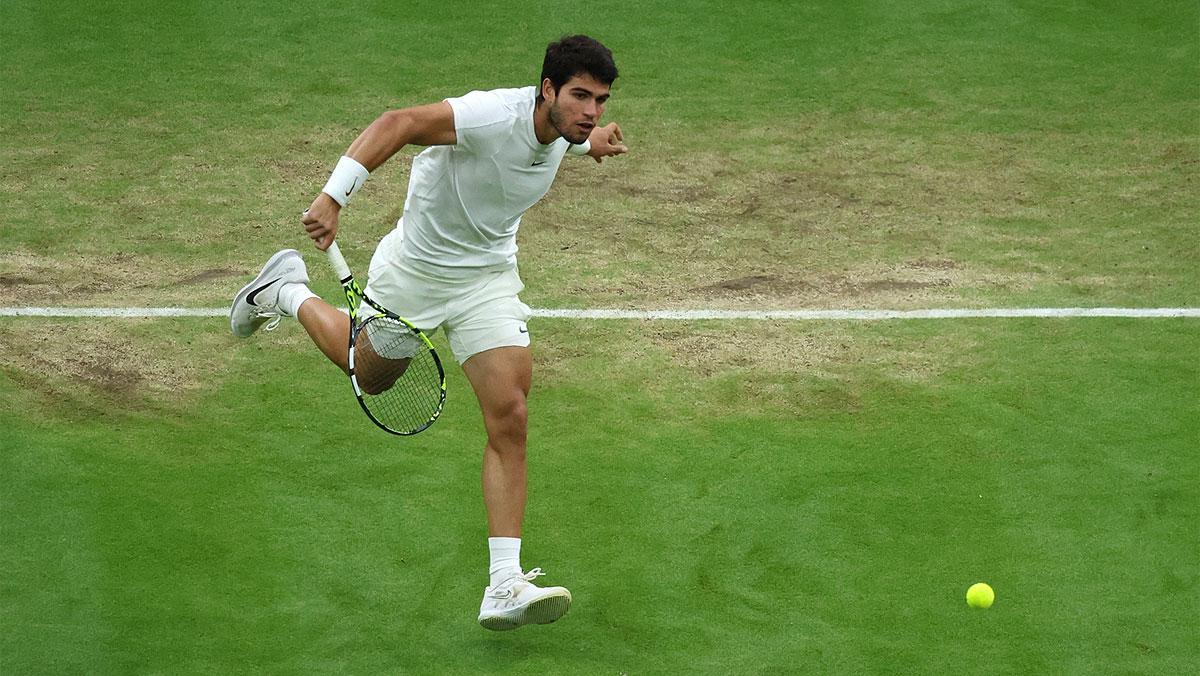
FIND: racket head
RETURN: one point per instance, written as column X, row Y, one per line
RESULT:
column 397, row 375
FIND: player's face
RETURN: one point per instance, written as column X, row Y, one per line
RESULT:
column 576, row 109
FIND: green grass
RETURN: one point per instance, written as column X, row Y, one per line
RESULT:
column 720, row 497
column 697, row 534
column 1047, row 154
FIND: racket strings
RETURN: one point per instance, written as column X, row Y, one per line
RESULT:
column 400, row 377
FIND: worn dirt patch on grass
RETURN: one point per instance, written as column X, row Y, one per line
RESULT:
column 864, row 220
column 212, row 274
column 811, row 350
column 762, row 368
column 126, row 279
column 125, row 363
column 840, row 218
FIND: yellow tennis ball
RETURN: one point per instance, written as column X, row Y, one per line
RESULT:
column 980, row 595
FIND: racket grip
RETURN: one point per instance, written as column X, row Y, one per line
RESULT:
column 338, row 263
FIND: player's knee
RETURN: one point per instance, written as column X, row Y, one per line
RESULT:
column 379, row 380
column 507, row 423
column 372, row 387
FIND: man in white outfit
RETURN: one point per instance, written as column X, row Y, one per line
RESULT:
column 451, row 264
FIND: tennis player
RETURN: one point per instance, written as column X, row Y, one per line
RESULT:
column 451, row 263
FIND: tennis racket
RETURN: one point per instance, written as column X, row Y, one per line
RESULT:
column 397, row 376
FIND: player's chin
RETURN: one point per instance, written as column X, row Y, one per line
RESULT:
column 579, row 134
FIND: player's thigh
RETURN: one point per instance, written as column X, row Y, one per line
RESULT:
column 382, row 354
column 501, row 379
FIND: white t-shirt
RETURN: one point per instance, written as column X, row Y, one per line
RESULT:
column 465, row 201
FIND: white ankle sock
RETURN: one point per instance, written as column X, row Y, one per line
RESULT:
column 506, row 558
column 292, row 296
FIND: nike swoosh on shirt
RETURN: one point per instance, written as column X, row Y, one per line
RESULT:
column 537, row 164
column 250, row 298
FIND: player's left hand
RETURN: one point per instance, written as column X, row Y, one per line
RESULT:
column 606, row 141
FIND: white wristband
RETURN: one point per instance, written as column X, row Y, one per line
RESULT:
column 347, row 178
column 580, row 148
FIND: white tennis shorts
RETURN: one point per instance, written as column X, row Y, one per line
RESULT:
column 477, row 314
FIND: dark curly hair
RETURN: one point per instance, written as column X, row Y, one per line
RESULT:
column 573, row 55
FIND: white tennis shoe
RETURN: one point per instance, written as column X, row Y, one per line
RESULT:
column 517, row 601
column 258, row 302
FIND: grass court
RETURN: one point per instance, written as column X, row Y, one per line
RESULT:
column 720, row 496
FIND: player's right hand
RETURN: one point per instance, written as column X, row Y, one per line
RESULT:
column 320, row 221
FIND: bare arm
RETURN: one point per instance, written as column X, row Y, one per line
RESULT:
column 431, row 125
column 606, row 141
column 428, row 125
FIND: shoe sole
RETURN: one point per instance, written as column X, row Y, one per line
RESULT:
column 541, row 611
column 241, row 295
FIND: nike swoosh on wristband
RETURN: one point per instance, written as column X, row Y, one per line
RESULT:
column 354, row 183
column 250, row 298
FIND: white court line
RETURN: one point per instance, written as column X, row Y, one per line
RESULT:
column 871, row 314
column 673, row 314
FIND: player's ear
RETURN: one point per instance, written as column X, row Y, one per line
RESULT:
column 548, row 92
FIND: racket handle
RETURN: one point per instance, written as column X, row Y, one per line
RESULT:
column 338, row 263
